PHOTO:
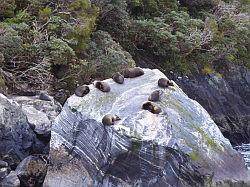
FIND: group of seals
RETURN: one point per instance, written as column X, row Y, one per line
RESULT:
column 119, row 78
column 155, row 96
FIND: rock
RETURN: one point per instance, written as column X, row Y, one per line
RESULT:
column 11, row 180
column 226, row 97
column 4, row 169
column 16, row 137
column 32, row 170
column 40, row 113
column 3, row 172
column 142, row 149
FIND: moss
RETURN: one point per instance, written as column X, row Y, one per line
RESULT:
column 194, row 155
column 209, row 141
column 207, row 70
column 135, row 146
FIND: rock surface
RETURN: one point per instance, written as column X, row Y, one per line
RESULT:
column 40, row 113
column 226, row 97
column 10, row 180
column 32, row 170
column 142, row 148
column 16, row 137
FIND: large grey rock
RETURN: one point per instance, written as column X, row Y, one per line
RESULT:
column 142, row 149
column 32, row 170
column 16, row 137
column 11, row 180
column 40, row 113
column 226, row 97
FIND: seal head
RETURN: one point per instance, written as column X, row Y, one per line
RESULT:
column 82, row 90
column 103, row 86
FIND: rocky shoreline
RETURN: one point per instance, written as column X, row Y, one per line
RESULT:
column 183, row 148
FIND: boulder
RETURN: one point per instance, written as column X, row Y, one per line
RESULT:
column 16, row 137
column 181, row 146
column 32, row 170
column 10, row 180
column 41, row 111
column 25, row 125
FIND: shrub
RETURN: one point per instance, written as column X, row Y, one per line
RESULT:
column 7, row 8
column 107, row 55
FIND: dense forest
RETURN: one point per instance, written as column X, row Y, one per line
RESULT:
column 55, row 45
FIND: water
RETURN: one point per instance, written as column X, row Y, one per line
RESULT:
column 244, row 149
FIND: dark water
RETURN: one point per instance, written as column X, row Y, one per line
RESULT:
column 244, row 149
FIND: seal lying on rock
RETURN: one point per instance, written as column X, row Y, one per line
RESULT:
column 82, row 91
column 164, row 83
column 155, row 95
column 151, row 107
column 118, row 78
column 110, row 119
column 133, row 72
column 103, row 86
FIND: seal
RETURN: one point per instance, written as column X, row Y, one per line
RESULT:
column 164, row 83
column 82, row 90
column 155, row 95
column 151, row 107
column 103, row 86
column 118, row 78
column 44, row 96
column 133, row 72
column 110, row 119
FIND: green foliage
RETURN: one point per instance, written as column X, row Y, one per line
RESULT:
column 151, row 8
column 7, row 8
column 11, row 44
column 45, row 13
column 107, row 55
column 60, row 52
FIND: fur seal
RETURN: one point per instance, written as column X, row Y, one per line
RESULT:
column 103, row 86
column 155, row 95
column 82, row 90
column 44, row 96
column 110, row 119
column 164, row 83
column 118, row 78
column 151, row 107
column 133, row 72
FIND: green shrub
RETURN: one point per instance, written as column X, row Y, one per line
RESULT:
column 60, row 52
column 7, row 8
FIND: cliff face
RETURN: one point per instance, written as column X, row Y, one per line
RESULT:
column 225, row 97
column 142, row 148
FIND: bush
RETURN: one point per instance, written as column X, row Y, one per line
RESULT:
column 7, row 8
column 107, row 56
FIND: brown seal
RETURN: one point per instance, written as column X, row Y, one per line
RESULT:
column 118, row 78
column 164, row 83
column 82, row 90
column 103, row 86
column 133, row 72
column 155, row 96
column 110, row 119
column 151, row 107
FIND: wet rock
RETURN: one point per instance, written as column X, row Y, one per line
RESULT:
column 226, row 97
column 182, row 146
column 11, row 180
column 32, row 170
